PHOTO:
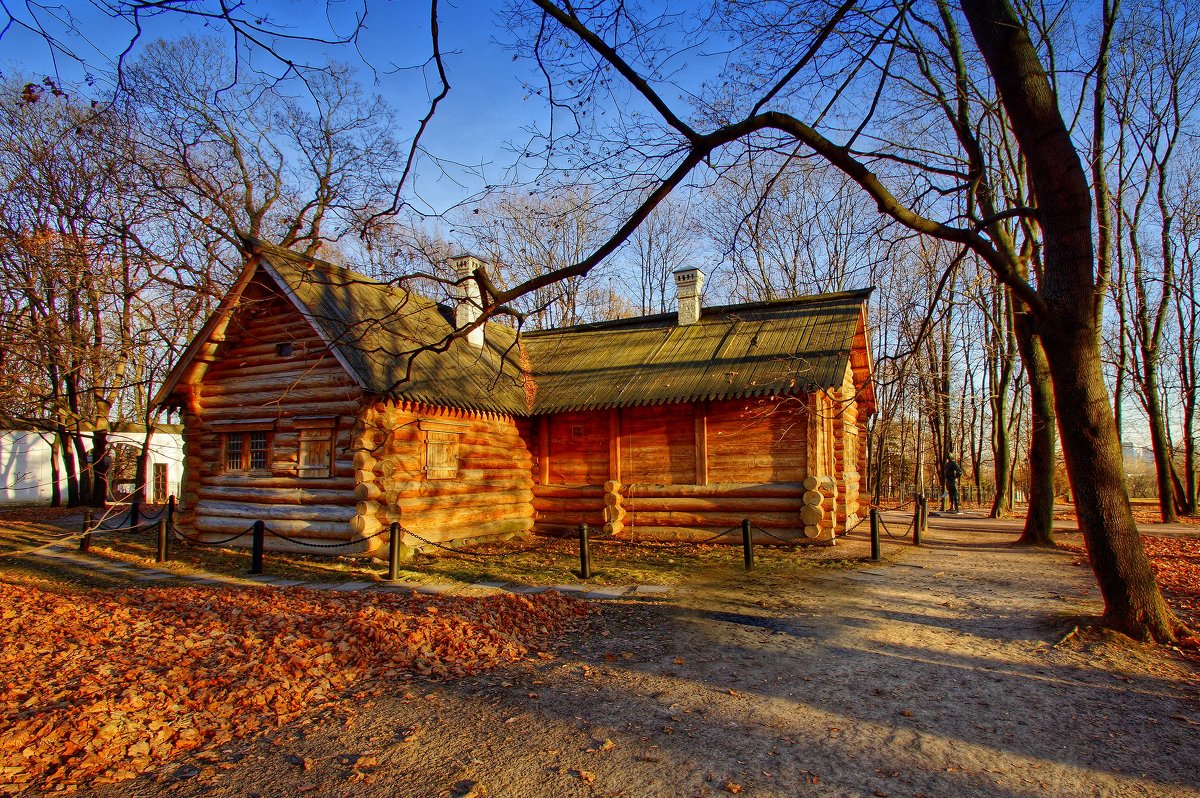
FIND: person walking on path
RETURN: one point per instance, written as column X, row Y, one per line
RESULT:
column 950, row 474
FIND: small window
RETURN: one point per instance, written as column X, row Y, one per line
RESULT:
column 160, row 483
column 441, row 454
column 246, row 451
column 284, row 349
column 577, row 431
column 258, row 451
column 316, row 453
column 233, row 452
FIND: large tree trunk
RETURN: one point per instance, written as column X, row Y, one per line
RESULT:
column 1132, row 602
column 68, row 457
column 1004, row 351
column 1039, row 519
column 101, row 463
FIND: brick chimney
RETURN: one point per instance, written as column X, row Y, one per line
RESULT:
column 689, row 285
column 469, row 306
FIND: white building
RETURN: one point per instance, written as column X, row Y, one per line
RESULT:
column 26, row 476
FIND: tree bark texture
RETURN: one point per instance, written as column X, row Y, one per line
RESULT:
column 1132, row 601
column 1039, row 519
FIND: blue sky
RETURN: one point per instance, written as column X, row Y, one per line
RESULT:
column 484, row 112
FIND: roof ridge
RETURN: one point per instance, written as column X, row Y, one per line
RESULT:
column 707, row 313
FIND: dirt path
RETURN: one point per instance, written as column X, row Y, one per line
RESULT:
column 936, row 675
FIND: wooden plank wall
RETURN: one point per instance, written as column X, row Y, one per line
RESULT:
column 755, row 462
column 579, row 448
column 684, row 470
column 491, row 495
column 575, row 456
column 658, row 444
column 758, row 440
column 251, row 381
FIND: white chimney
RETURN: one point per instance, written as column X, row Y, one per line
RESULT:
column 689, row 285
column 469, row 305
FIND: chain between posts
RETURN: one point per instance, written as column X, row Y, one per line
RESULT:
column 136, row 529
column 656, row 544
column 210, row 543
column 887, row 529
column 154, row 516
column 480, row 555
column 339, row 545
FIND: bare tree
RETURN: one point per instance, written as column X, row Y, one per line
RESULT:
column 1157, row 80
column 249, row 160
column 526, row 236
column 666, row 241
column 786, row 228
column 77, row 270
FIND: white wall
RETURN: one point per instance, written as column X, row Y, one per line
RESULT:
column 25, row 475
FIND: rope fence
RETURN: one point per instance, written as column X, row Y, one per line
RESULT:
column 163, row 521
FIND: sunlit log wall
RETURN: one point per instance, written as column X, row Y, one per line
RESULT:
column 486, row 494
column 273, row 375
column 687, row 471
column 671, row 471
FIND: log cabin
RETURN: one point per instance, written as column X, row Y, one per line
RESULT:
column 330, row 405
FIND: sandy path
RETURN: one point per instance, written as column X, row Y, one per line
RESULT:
column 932, row 676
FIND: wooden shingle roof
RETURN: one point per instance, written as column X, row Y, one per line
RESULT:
column 392, row 342
column 382, row 333
column 759, row 349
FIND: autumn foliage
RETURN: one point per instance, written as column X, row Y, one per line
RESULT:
column 1176, row 563
column 103, row 686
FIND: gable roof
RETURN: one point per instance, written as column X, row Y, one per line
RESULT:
column 383, row 335
column 391, row 342
column 757, row 349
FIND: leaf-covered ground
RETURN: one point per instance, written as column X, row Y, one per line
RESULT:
column 102, row 686
column 1176, row 564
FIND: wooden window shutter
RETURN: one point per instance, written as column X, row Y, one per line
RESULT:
column 315, row 457
column 441, row 454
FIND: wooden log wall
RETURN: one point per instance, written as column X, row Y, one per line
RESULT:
column 758, row 440
column 490, row 494
column 848, row 451
column 254, row 383
column 674, row 468
column 578, row 448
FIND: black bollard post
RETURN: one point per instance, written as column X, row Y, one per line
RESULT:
column 85, row 541
column 747, row 545
column 874, row 534
column 919, row 521
column 162, row 540
column 135, row 515
column 394, row 552
column 585, row 554
column 171, row 510
column 256, row 550
column 916, row 523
